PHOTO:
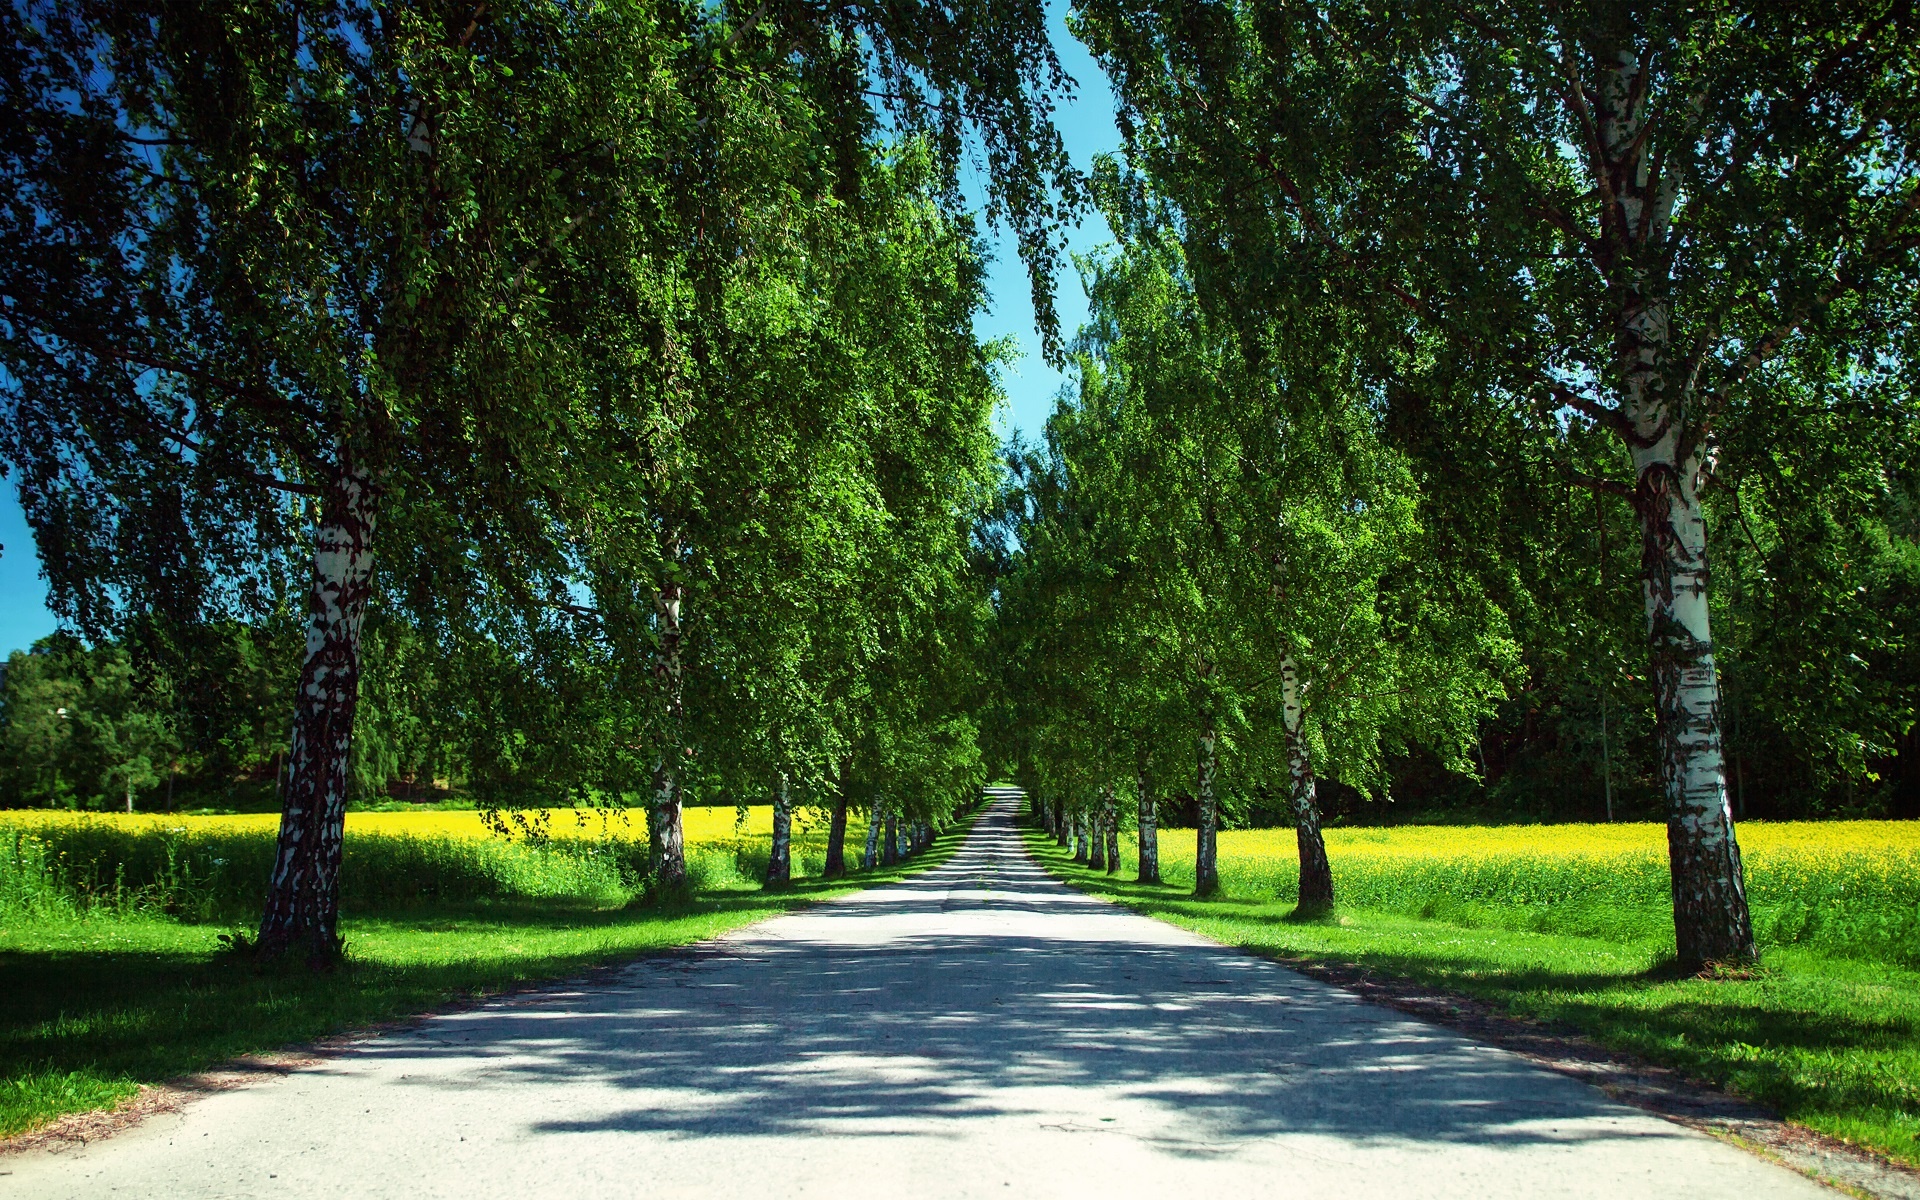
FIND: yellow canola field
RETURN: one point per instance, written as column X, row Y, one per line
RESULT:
column 213, row 864
column 1762, row 842
column 702, row 824
column 1759, row 840
column 1849, row 885
column 1535, row 863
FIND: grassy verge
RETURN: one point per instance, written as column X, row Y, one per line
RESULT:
column 94, row 1004
column 1831, row 1043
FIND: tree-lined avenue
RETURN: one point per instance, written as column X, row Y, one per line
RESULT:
column 979, row 1029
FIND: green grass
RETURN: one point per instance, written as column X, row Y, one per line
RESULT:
column 96, row 1000
column 1829, row 1042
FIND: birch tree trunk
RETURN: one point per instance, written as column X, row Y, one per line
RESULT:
column 780, row 856
column 836, row 865
column 871, row 858
column 303, row 890
column 1097, row 849
column 667, row 840
column 1149, row 833
column 1711, row 920
column 1061, row 832
column 1112, row 822
column 1206, row 865
column 890, row 849
column 1316, row 874
column 1079, row 820
column 903, row 833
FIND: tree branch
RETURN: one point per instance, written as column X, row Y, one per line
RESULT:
column 1843, row 283
column 278, row 411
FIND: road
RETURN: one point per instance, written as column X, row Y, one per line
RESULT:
column 979, row 1030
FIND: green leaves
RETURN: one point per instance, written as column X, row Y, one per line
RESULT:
column 1543, row 239
column 1208, row 512
column 80, row 730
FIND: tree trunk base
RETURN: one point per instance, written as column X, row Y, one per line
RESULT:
column 1712, row 926
column 1316, row 874
column 320, row 954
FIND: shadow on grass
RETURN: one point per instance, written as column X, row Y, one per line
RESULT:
column 90, row 1009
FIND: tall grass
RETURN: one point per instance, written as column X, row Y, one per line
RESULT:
column 212, row 869
column 195, row 876
column 29, row 887
column 1850, row 888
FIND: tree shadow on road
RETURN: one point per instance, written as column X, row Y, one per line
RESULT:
column 92, row 1008
column 1812, row 1038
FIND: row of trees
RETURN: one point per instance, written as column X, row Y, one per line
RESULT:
column 1221, row 564
column 617, row 359
column 1437, row 335
column 203, row 708
column 607, row 354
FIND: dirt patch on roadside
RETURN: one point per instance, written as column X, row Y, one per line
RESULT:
column 153, row 1099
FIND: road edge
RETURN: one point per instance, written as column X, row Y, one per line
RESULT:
column 77, row 1130
column 1662, row 1091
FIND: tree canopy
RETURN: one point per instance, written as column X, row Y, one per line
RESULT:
column 580, row 404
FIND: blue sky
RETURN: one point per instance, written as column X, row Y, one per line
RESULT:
column 1086, row 123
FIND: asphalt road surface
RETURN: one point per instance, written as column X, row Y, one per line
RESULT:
column 979, row 1030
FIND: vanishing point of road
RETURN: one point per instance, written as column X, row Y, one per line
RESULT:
column 978, row 1030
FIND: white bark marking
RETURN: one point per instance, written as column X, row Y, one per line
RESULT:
column 303, row 890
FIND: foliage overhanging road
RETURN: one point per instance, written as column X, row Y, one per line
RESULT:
column 980, row 1029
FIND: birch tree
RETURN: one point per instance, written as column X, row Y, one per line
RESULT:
column 272, row 303
column 1240, row 497
column 1620, row 216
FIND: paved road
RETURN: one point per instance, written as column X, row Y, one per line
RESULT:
column 977, row 1031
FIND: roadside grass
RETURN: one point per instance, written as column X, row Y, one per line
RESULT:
column 213, row 868
column 96, row 1000
column 1830, row 1042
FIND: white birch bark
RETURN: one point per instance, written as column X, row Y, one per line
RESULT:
column 780, row 855
column 303, row 889
column 872, row 856
column 1110, row 819
column 1149, row 832
column 1316, row 874
column 1711, row 918
column 1206, row 865
column 667, row 838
